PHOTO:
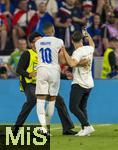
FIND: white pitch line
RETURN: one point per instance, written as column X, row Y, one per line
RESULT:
column 76, row 127
column 53, row 128
column 56, row 128
column 103, row 125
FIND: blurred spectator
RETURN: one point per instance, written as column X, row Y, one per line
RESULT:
column 110, row 65
column 14, row 4
column 14, row 58
column 4, row 6
column 100, row 6
column 32, row 5
column 21, row 18
column 114, row 3
column 116, row 13
column 3, row 32
column 110, row 29
column 39, row 19
column 4, row 26
column 87, row 12
column 69, row 18
column 103, row 7
column 94, row 5
column 78, row 3
column 52, row 7
column 116, row 52
column 44, row 17
column 3, row 72
column 95, row 32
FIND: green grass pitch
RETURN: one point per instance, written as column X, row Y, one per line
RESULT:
column 104, row 138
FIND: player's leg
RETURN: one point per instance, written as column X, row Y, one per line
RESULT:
column 41, row 112
column 42, row 92
column 45, row 115
column 50, row 110
column 54, row 84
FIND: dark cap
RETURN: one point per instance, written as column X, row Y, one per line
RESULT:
column 33, row 35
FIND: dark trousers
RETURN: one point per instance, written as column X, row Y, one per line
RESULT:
column 31, row 102
column 78, row 103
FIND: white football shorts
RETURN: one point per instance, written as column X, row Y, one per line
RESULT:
column 48, row 81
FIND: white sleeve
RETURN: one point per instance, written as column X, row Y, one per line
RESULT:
column 77, row 56
column 60, row 45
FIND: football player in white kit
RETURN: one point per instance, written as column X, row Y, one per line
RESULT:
column 82, row 80
column 48, row 74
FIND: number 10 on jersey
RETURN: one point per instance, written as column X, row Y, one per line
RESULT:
column 46, row 55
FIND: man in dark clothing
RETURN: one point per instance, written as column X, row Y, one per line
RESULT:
column 26, row 70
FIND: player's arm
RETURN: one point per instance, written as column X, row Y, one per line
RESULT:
column 62, row 58
column 73, row 62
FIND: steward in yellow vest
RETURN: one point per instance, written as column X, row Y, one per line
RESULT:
column 26, row 68
column 106, row 64
column 109, row 59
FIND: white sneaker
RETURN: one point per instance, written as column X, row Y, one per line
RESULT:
column 79, row 133
column 87, row 131
column 92, row 128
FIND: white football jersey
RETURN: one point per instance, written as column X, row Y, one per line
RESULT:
column 48, row 50
column 83, row 75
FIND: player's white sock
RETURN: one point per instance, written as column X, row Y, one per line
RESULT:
column 41, row 112
column 49, row 111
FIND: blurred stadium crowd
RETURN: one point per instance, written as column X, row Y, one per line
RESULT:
column 18, row 18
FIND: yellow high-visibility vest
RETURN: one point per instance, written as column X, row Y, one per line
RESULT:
column 32, row 64
column 106, row 65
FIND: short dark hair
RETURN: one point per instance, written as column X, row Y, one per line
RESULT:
column 33, row 35
column 77, row 36
column 22, row 38
column 21, row 1
column 47, row 26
